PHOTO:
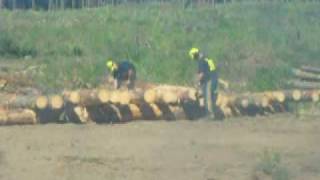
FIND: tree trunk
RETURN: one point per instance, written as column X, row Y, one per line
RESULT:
column 169, row 94
column 14, row 4
column 11, row 101
column 17, row 117
column 305, row 85
column 306, row 75
column 304, row 95
column 33, row 4
column 310, row 69
column 73, row 4
column 126, row 97
column 97, row 97
column 122, row 113
column 50, row 5
column 85, row 97
column 62, row 4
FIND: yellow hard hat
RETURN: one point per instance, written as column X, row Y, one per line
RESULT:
column 109, row 64
column 193, row 51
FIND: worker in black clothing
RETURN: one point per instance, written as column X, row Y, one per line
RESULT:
column 122, row 72
column 207, row 78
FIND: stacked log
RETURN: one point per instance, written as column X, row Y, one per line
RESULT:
column 21, row 116
column 23, row 101
column 310, row 69
column 161, row 102
column 87, row 97
column 169, row 94
column 307, row 77
column 242, row 104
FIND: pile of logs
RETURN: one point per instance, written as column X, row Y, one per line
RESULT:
column 306, row 77
column 160, row 102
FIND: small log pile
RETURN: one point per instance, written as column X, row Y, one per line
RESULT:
column 306, row 77
column 155, row 103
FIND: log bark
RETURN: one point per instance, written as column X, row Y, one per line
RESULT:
column 108, row 113
column 307, row 96
column 297, row 95
column 308, row 76
column 169, row 94
column 102, row 96
column 87, row 97
column 126, row 97
column 82, row 114
column 310, row 69
column 17, row 79
column 81, row 97
column 12, row 117
column 246, row 100
column 305, row 85
column 27, row 101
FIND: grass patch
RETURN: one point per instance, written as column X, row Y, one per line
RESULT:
column 270, row 164
column 10, row 48
column 255, row 44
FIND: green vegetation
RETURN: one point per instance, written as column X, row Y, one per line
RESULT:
column 255, row 44
column 270, row 164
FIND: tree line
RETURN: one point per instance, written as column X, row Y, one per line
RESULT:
column 62, row 4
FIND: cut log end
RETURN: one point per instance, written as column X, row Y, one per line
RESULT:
column 42, row 102
column 103, row 96
column 124, row 97
column 296, row 95
column 115, row 97
column 279, row 96
column 150, row 96
column 75, row 97
column 56, row 102
column 245, row 103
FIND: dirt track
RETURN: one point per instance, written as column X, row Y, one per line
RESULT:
column 159, row 150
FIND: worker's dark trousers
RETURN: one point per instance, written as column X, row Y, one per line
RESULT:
column 132, row 79
column 209, row 91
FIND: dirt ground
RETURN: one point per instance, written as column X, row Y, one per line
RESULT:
column 186, row 150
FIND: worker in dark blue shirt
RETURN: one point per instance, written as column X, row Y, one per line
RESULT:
column 122, row 72
column 208, row 79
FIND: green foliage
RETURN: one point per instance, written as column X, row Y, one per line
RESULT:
column 9, row 47
column 255, row 44
column 269, row 78
column 270, row 164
